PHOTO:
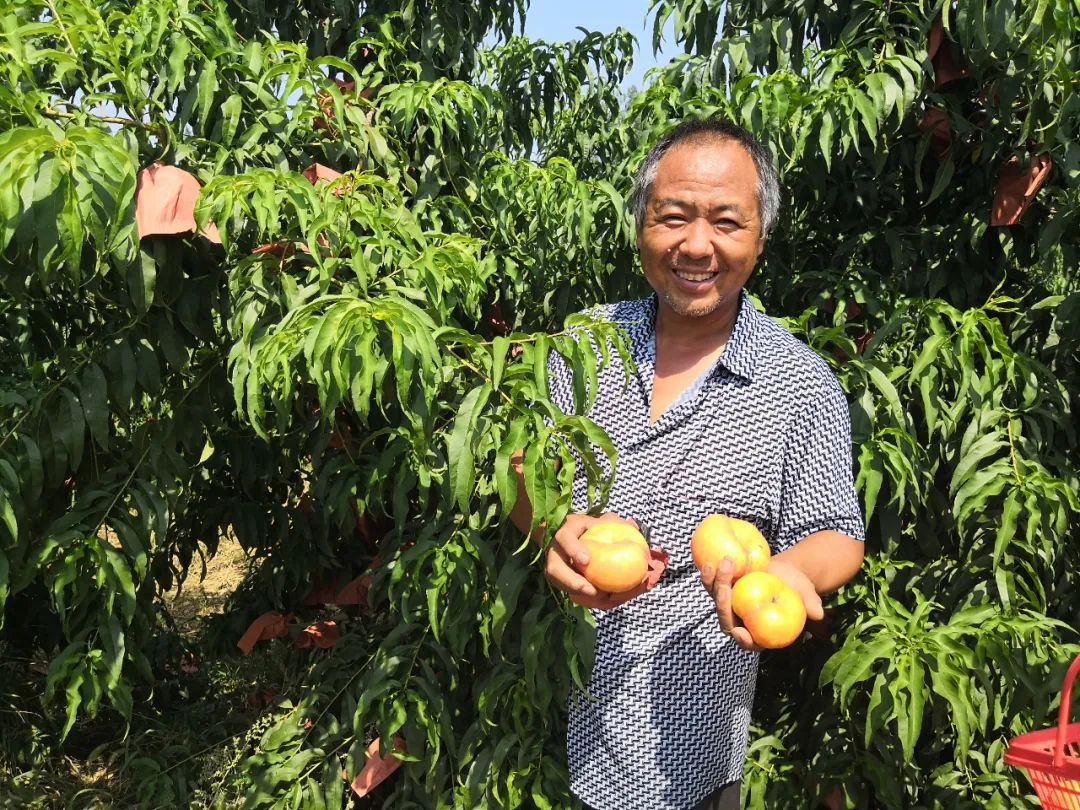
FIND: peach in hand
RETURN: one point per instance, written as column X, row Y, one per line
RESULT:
column 718, row 537
column 618, row 557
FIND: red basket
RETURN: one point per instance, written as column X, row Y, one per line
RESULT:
column 1052, row 756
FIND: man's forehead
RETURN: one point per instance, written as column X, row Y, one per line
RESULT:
column 681, row 202
column 733, row 174
column 695, row 156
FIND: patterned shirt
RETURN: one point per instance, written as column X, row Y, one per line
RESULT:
column 765, row 436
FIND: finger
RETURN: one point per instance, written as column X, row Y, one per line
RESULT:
column 720, row 588
column 607, row 601
column 560, row 574
column 815, row 611
column 568, row 540
column 708, row 576
column 742, row 637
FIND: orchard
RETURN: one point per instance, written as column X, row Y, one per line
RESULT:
column 288, row 276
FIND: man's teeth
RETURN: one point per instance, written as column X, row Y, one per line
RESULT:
column 694, row 276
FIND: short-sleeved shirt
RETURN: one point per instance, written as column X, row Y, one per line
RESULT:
column 765, row 435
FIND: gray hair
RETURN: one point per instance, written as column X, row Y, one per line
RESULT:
column 720, row 129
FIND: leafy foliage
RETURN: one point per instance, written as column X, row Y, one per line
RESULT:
column 340, row 384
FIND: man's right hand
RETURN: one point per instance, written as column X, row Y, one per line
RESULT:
column 567, row 554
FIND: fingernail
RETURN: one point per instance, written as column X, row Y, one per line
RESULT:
column 707, row 569
column 583, row 559
column 726, row 565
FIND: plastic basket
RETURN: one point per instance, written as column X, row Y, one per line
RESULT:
column 1052, row 756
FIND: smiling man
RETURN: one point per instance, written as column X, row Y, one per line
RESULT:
column 728, row 414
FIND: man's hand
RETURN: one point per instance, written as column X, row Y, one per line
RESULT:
column 718, row 584
column 567, row 553
column 794, row 577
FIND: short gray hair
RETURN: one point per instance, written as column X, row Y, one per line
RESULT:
column 720, row 129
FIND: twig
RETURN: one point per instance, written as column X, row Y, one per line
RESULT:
column 63, row 29
column 50, row 112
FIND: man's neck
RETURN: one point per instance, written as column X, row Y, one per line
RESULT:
column 695, row 334
column 685, row 348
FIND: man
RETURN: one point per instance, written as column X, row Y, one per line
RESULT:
column 728, row 414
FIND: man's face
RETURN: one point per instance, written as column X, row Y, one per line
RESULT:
column 702, row 229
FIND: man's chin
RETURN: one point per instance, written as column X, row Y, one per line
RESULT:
column 692, row 308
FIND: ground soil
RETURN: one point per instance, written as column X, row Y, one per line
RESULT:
column 201, row 596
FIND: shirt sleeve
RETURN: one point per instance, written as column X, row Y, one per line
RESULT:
column 818, row 489
column 560, row 382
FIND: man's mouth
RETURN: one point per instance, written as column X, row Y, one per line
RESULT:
column 696, row 277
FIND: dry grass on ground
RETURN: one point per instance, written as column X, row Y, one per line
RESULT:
column 201, row 596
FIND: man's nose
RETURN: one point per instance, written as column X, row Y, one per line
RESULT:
column 697, row 239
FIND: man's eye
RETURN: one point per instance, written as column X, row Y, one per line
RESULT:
column 674, row 218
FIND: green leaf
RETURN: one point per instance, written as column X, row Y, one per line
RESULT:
column 230, row 118
column 867, row 113
column 92, row 393
column 869, row 479
column 508, row 586
column 1007, row 530
column 942, row 179
column 506, row 479
column 916, row 688
column 499, row 350
column 889, row 392
column 179, row 50
column 540, row 364
column 460, row 445
column 7, row 514
column 974, row 458
column 825, row 137
column 946, row 684
column 71, row 428
column 141, row 281
column 927, row 356
column 849, row 667
column 206, row 89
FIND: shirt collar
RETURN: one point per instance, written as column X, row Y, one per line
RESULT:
column 739, row 356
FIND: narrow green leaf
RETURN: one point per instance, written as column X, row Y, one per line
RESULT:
column 459, row 445
column 500, row 347
column 825, row 137
column 141, row 281
column 230, row 118
column 540, row 364
column 1007, row 530
column 71, row 428
column 927, row 356
column 506, row 479
column 92, row 392
column 916, row 689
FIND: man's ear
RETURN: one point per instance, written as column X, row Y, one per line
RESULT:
column 760, row 247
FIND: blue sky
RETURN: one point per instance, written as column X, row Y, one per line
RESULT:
column 557, row 20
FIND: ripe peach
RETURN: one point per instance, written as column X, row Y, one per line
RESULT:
column 770, row 609
column 720, row 536
column 618, row 557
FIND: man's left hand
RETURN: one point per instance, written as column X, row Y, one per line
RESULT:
column 718, row 583
column 802, row 585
